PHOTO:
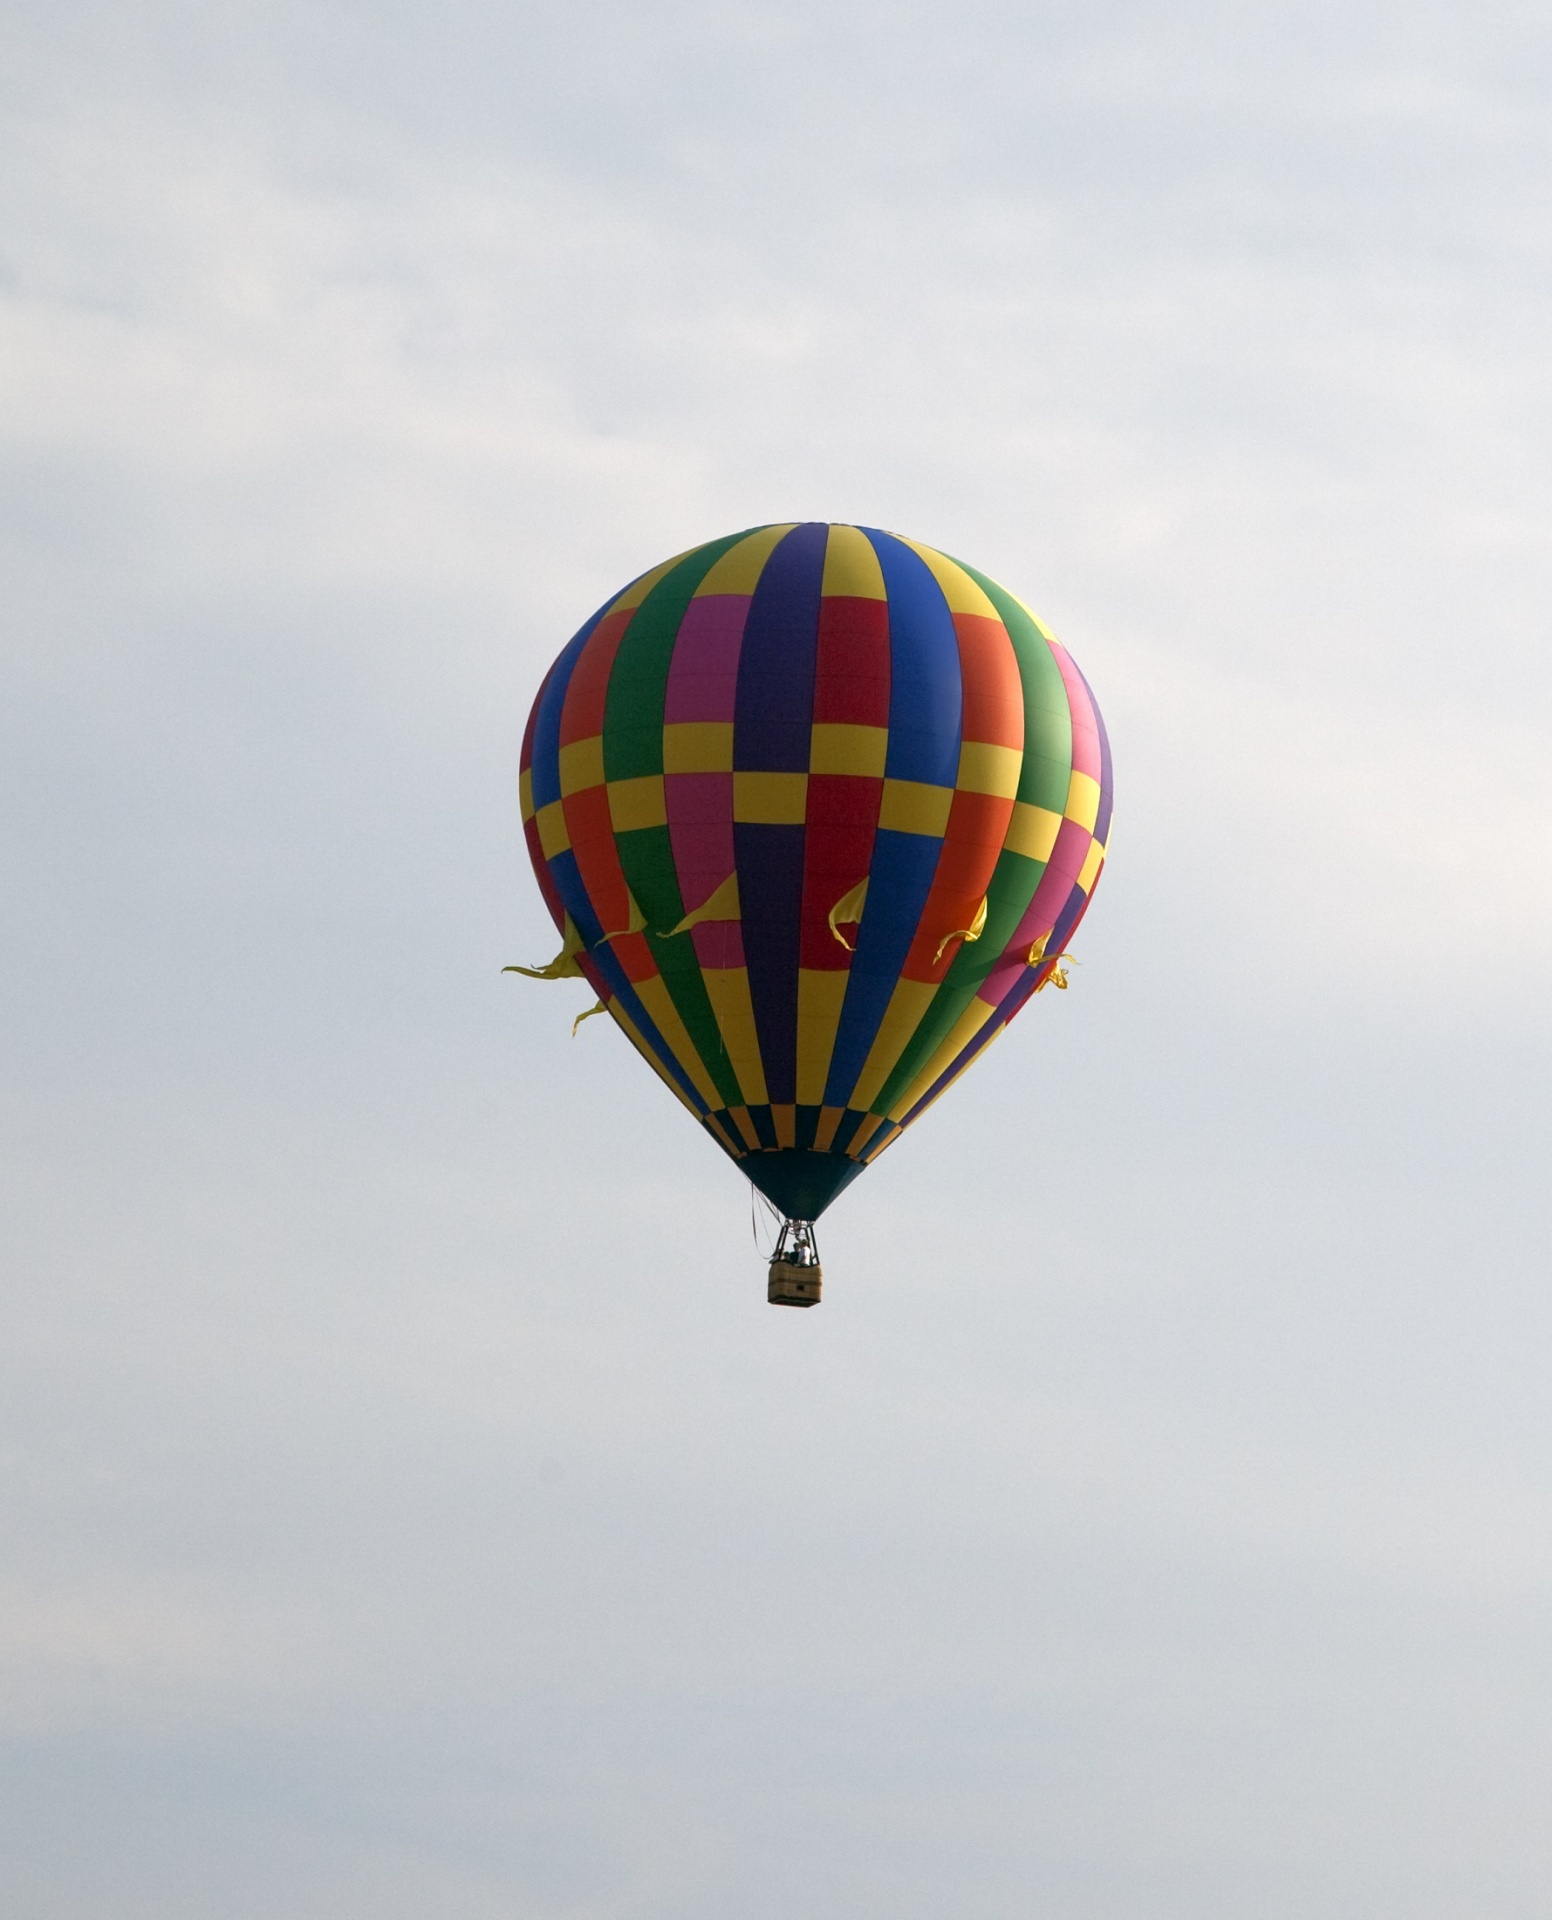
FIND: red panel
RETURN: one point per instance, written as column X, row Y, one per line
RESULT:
column 598, row 859
column 993, row 690
column 977, row 826
column 837, row 852
column 583, row 714
column 851, row 667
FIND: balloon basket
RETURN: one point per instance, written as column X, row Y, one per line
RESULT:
column 796, row 1275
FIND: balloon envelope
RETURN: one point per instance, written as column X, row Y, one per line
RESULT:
column 816, row 809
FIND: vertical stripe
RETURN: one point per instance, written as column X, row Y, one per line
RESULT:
column 701, row 688
column 773, row 720
column 1087, row 755
column 632, row 724
column 588, row 825
column 851, row 691
column 925, row 706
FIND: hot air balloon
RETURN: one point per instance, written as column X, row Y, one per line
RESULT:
column 816, row 810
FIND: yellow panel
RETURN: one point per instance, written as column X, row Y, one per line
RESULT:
column 638, row 590
column 1032, row 831
column 820, row 993
column 863, row 1135
column 740, row 567
column 553, row 837
column 912, row 806
column 725, row 1137
column 962, row 593
column 637, row 803
column 628, row 1027
column 665, row 1017
column 698, row 746
column 582, row 765
column 525, row 794
column 770, row 799
column 829, row 1119
column 984, row 768
column 851, row 566
column 909, row 1001
column 1088, row 873
column 963, row 1031
column 837, row 748
column 785, row 1120
column 727, row 988
column 1083, row 800
column 745, row 1126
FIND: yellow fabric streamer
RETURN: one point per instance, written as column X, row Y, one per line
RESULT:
column 637, row 922
column 847, row 912
column 564, row 965
column 973, row 932
column 600, row 1008
column 1057, row 977
column 721, row 905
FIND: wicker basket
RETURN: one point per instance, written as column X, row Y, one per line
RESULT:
column 794, row 1286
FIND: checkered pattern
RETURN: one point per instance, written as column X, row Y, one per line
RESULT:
column 736, row 741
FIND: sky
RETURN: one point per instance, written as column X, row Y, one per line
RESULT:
column 409, row 1504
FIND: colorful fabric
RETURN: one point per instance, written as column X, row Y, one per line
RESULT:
column 816, row 809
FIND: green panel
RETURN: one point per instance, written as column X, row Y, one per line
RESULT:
column 647, row 855
column 647, row 858
column 638, row 682
column 1013, row 884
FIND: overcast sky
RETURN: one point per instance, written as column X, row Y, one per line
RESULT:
column 411, row 1507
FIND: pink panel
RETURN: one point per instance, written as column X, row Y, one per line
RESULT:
column 1085, row 733
column 1056, row 883
column 719, row 943
column 703, row 674
column 700, row 831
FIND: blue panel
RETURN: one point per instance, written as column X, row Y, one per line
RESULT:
column 898, row 884
column 772, row 721
column 770, row 893
column 1066, row 920
column 775, row 701
column 545, row 766
column 926, row 701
